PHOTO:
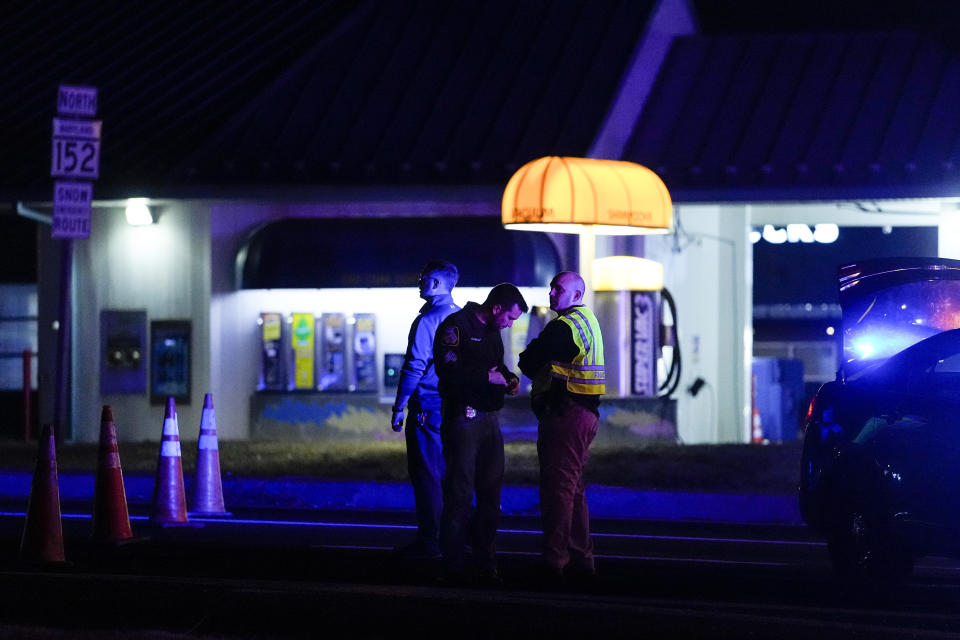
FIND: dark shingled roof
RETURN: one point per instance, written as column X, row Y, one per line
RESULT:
column 804, row 116
column 169, row 74
column 450, row 92
column 212, row 98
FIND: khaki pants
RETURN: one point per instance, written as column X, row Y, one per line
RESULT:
column 563, row 440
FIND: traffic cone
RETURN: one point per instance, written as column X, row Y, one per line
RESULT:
column 111, row 520
column 757, row 426
column 42, row 540
column 208, row 489
column 756, row 433
column 169, row 501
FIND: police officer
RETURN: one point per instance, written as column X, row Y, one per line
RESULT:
column 565, row 363
column 473, row 380
column 417, row 392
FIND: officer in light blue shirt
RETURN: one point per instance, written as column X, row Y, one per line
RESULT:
column 417, row 393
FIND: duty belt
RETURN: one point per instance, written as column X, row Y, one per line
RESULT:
column 465, row 410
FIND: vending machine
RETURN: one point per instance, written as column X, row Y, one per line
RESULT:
column 332, row 369
column 302, row 352
column 364, row 352
column 272, row 369
column 392, row 366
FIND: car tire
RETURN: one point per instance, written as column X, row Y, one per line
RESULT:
column 860, row 549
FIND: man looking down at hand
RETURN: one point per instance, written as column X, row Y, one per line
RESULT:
column 468, row 352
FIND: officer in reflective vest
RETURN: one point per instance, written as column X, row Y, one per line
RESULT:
column 565, row 363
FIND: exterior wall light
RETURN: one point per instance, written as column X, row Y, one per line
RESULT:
column 138, row 213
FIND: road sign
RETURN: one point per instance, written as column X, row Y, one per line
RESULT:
column 77, row 101
column 71, row 209
column 76, row 149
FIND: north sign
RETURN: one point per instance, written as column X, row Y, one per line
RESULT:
column 77, row 101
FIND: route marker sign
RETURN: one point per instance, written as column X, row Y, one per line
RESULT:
column 76, row 149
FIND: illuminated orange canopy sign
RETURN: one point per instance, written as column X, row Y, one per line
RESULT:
column 614, row 197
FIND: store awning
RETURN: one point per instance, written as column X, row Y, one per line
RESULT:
column 389, row 252
column 564, row 194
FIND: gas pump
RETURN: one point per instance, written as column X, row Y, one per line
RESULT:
column 637, row 316
column 271, row 352
column 332, row 330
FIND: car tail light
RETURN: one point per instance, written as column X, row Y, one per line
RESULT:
column 811, row 408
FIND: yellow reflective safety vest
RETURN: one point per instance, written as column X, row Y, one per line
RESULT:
column 585, row 375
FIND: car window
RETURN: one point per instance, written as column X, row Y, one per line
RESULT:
column 911, row 376
column 930, row 366
column 950, row 364
column 944, row 378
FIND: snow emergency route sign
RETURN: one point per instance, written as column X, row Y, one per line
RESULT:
column 71, row 209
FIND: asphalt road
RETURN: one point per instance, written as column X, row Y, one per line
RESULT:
column 305, row 574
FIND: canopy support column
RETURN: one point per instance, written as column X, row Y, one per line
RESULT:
column 588, row 250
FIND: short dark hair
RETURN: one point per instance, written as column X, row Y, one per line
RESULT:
column 442, row 270
column 506, row 295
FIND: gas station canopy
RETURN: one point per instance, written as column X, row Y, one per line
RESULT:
column 564, row 195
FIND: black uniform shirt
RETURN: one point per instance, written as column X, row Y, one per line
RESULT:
column 464, row 351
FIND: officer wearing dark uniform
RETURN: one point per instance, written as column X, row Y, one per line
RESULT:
column 468, row 353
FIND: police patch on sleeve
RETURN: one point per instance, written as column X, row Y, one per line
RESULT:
column 450, row 337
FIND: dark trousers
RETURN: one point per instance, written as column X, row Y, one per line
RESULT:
column 563, row 439
column 426, row 466
column 473, row 450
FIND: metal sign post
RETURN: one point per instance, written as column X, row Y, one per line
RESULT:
column 61, row 396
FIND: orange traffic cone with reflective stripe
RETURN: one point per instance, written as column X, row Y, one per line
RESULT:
column 111, row 520
column 208, row 488
column 756, row 432
column 757, row 426
column 169, row 501
column 42, row 540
